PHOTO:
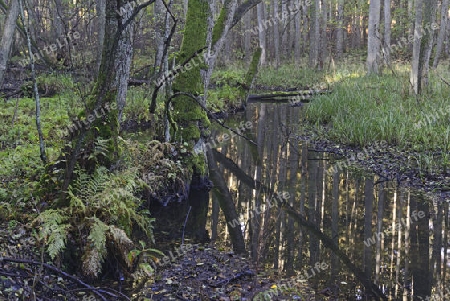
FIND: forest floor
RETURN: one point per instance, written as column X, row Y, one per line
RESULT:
column 201, row 273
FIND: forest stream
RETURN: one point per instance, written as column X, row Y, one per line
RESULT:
column 392, row 240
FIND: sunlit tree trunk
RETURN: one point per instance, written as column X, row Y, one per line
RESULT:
column 340, row 30
column 262, row 32
column 442, row 32
column 323, row 53
column 422, row 46
column 416, row 69
column 314, row 40
column 428, row 41
column 387, row 31
column 7, row 37
column 373, row 43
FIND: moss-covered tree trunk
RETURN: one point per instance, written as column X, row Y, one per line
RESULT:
column 101, row 116
column 188, row 115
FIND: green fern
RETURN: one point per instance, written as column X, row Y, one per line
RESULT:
column 54, row 231
column 102, row 209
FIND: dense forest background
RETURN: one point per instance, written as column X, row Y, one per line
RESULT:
column 109, row 106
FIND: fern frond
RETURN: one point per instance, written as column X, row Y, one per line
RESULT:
column 97, row 236
column 53, row 230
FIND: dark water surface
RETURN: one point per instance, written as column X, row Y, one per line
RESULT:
column 390, row 238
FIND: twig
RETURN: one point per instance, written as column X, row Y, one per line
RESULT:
column 97, row 291
column 445, row 82
column 184, row 226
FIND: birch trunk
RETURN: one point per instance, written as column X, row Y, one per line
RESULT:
column 122, row 61
column 373, row 43
column 442, row 32
column 7, row 37
column 340, row 30
column 387, row 31
column 261, row 32
column 314, row 41
column 276, row 33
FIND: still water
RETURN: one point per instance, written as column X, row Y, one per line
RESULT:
column 377, row 239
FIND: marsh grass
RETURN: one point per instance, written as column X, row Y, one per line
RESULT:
column 364, row 109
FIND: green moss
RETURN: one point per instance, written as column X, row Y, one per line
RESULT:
column 253, row 69
column 187, row 114
column 219, row 26
column 197, row 164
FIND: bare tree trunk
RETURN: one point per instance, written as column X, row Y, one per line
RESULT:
column 122, row 61
column 387, row 31
column 297, row 35
column 428, row 41
column 340, row 30
column 416, row 71
column 101, row 15
column 442, row 32
column 247, row 34
column 323, row 54
column 35, row 88
column 276, row 33
column 305, row 26
column 261, row 31
column 284, row 24
column 7, row 37
column 373, row 43
column 314, row 40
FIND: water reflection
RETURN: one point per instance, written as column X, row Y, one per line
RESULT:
column 376, row 239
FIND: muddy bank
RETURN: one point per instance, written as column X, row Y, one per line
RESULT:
column 388, row 162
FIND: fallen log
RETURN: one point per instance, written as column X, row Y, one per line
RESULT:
column 293, row 97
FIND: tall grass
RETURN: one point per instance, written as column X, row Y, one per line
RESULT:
column 363, row 109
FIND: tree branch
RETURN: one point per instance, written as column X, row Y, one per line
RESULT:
column 243, row 9
column 97, row 291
